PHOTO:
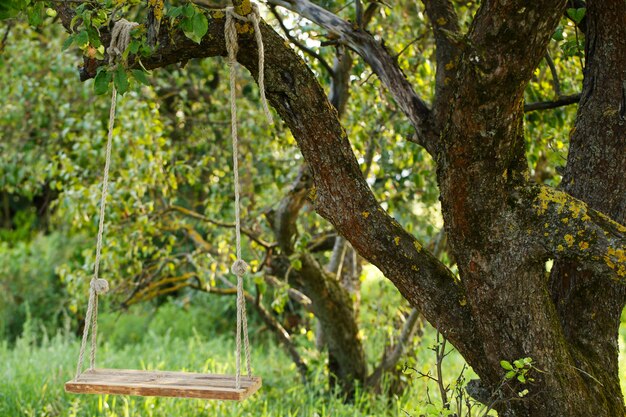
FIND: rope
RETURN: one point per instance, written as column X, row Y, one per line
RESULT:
column 240, row 267
column 120, row 37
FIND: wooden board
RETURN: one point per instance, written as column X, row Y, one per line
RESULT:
column 163, row 384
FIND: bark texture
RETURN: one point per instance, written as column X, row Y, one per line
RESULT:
column 596, row 174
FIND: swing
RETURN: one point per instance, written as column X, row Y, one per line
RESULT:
column 168, row 383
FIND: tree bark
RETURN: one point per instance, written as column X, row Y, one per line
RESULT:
column 595, row 173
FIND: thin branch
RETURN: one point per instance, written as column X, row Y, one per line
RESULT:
column 294, row 294
column 3, row 43
column 545, row 105
column 193, row 214
column 390, row 359
column 299, row 44
column 408, row 45
column 555, row 75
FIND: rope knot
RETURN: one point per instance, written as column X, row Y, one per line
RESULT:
column 239, row 267
column 100, row 285
column 120, row 38
column 232, row 47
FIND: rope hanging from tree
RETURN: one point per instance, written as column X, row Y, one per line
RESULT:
column 120, row 38
column 240, row 267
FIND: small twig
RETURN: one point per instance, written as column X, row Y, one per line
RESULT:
column 3, row 43
column 555, row 76
column 408, row 45
column 440, row 349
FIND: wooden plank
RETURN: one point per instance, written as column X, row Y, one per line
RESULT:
column 163, row 384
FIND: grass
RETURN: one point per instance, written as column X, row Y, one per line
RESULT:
column 179, row 337
column 33, row 371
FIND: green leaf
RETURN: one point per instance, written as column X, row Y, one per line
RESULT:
column 521, row 378
column 175, row 12
column 82, row 38
column 200, row 26
column 577, row 15
column 7, row 12
column 186, row 25
column 101, row 82
column 510, row 375
column 558, row 34
column 133, row 46
column 140, row 76
column 189, row 10
column 506, row 365
column 94, row 37
column 296, row 263
column 519, row 364
column 35, row 14
column 11, row 8
column 120, row 79
column 68, row 42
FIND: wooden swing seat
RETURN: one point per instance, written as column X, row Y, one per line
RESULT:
column 163, row 384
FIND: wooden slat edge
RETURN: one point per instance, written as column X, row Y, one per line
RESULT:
column 75, row 387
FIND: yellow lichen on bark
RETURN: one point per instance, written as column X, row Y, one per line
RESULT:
column 616, row 260
column 157, row 7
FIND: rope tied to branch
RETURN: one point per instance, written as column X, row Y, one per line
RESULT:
column 120, row 38
column 230, row 32
column 240, row 267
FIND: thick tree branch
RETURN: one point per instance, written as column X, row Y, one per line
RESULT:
column 445, row 24
column 566, row 227
column 380, row 60
column 505, row 50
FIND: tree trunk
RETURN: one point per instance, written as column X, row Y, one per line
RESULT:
column 595, row 173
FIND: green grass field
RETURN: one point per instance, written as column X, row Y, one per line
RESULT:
column 34, row 369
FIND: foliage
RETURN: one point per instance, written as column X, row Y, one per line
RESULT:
column 31, row 289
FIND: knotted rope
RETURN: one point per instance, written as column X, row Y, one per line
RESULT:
column 120, row 37
column 240, row 267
